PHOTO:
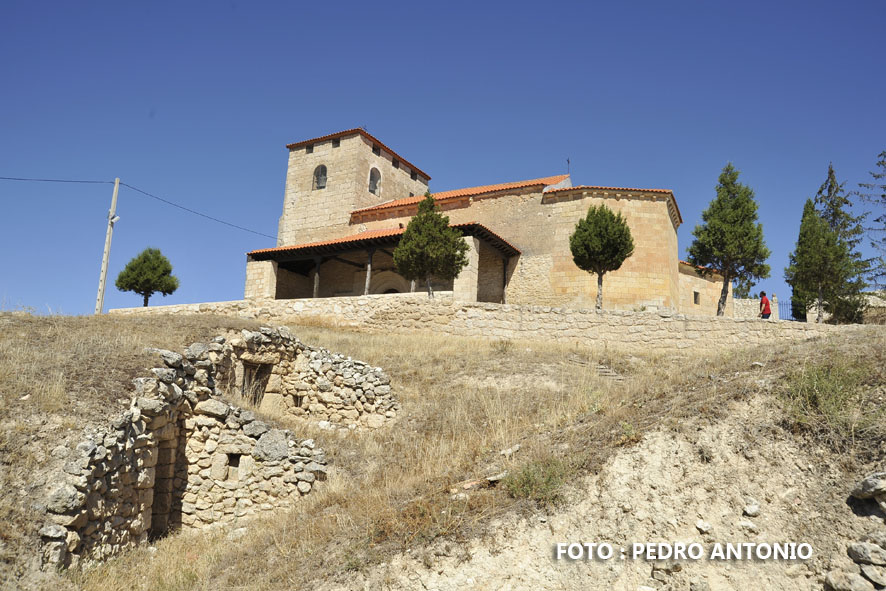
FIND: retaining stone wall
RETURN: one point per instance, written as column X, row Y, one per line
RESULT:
column 406, row 313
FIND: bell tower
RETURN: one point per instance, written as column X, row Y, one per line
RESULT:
column 329, row 177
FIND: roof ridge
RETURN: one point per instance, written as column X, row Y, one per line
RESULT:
column 467, row 191
column 363, row 132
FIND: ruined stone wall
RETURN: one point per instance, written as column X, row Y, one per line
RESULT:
column 410, row 313
column 180, row 457
column 291, row 379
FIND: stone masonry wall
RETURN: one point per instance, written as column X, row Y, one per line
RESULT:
column 289, row 378
column 407, row 313
column 750, row 307
column 180, row 457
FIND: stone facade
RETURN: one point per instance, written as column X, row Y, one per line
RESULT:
column 181, row 458
column 699, row 295
column 536, row 217
column 619, row 330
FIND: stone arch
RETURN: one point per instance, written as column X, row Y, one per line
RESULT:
column 375, row 181
column 385, row 281
column 319, row 181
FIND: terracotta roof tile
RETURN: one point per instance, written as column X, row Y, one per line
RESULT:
column 711, row 269
column 470, row 191
column 368, row 235
column 365, row 134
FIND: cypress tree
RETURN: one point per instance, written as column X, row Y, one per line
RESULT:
column 146, row 274
column 845, row 302
column 730, row 240
column 601, row 243
column 819, row 264
column 430, row 247
column 875, row 194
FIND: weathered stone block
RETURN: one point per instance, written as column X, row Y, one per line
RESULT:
column 212, row 407
column 272, row 446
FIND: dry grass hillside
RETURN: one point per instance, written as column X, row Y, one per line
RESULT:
column 420, row 485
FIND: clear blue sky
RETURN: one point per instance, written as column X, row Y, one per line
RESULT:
column 194, row 102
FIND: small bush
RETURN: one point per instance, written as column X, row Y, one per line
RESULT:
column 832, row 400
column 502, row 346
column 540, row 481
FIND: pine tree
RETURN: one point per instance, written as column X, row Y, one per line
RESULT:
column 875, row 194
column 730, row 241
column 845, row 303
column 429, row 247
column 146, row 274
column 601, row 243
column 819, row 263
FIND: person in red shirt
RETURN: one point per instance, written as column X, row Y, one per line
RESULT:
column 765, row 311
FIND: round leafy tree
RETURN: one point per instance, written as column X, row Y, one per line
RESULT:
column 430, row 247
column 146, row 274
column 601, row 243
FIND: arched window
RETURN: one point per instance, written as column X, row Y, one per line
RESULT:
column 374, row 180
column 320, row 177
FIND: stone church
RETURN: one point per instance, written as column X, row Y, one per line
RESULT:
column 349, row 197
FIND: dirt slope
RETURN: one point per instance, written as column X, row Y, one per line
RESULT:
column 658, row 491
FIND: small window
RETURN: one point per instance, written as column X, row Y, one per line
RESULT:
column 336, row 142
column 696, row 298
column 414, row 175
column 234, row 466
column 376, row 150
column 320, row 177
column 411, row 194
column 374, row 180
column 309, row 149
column 255, row 380
column 395, row 163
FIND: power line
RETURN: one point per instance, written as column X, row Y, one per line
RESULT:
column 209, row 217
column 15, row 178
column 166, row 201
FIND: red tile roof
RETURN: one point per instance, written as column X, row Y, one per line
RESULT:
column 470, row 191
column 368, row 136
column 673, row 199
column 601, row 188
column 371, row 234
column 711, row 269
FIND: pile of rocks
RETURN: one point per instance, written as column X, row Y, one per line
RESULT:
column 869, row 553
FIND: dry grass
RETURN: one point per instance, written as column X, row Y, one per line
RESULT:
column 59, row 375
column 464, row 400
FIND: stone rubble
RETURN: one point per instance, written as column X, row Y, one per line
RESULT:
column 869, row 554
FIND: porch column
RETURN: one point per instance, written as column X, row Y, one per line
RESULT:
column 504, row 279
column 317, row 261
column 464, row 288
column 370, row 252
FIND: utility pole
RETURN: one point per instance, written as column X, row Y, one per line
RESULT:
column 112, row 219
